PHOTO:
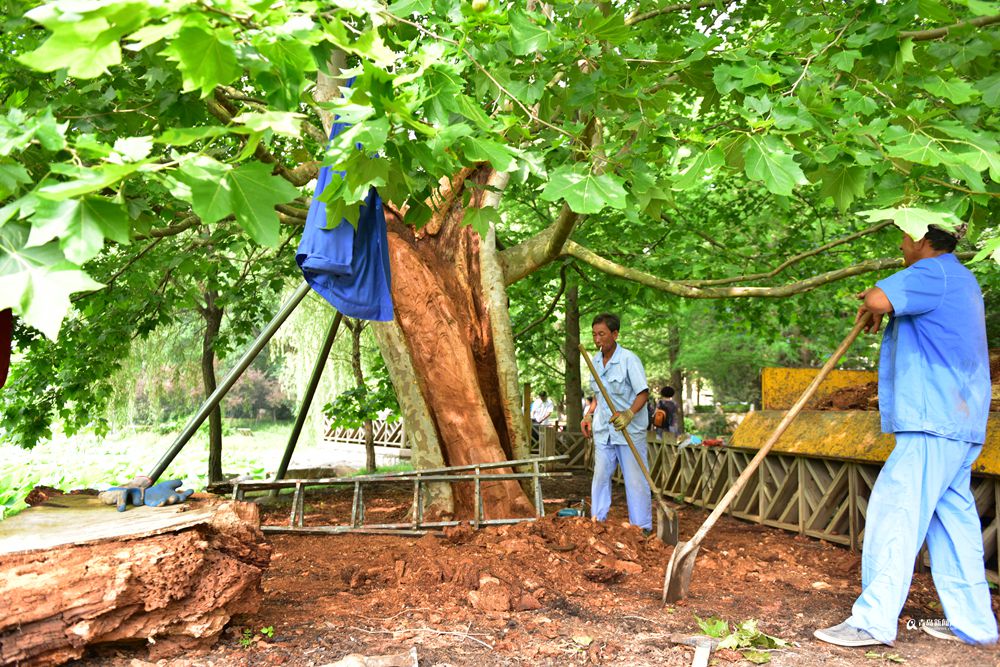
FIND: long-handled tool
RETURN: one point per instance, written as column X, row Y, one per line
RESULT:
column 678, row 576
column 666, row 517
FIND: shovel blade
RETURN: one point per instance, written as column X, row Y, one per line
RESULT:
column 678, row 577
column 666, row 525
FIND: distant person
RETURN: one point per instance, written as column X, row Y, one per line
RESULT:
column 541, row 413
column 666, row 414
column 934, row 396
column 623, row 376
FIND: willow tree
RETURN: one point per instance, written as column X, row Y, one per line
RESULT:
column 127, row 118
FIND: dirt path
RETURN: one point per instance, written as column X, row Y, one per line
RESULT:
column 557, row 592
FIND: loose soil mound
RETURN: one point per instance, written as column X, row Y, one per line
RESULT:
column 556, row 592
column 862, row 397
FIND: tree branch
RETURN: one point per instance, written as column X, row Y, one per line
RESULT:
column 937, row 33
column 552, row 306
column 791, row 260
column 681, row 288
column 222, row 108
column 668, row 9
column 172, row 230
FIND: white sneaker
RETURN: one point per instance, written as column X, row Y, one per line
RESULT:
column 846, row 635
column 941, row 632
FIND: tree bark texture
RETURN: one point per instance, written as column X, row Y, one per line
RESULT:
column 574, row 389
column 176, row 591
column 447, row 314
column 212, row 315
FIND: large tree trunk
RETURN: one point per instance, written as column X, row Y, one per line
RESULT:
column 451, row 312
column 213, row 323
column 574, row 390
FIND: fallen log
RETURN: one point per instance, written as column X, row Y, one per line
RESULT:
column 75, row 573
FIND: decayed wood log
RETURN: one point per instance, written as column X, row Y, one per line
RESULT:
column 174, row 581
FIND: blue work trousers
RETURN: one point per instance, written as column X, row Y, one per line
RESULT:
column 607, row 457
column 923, row 492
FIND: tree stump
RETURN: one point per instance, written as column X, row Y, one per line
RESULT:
column 75, row 573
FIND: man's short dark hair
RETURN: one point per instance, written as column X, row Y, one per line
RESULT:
column 667, row 392
column 940, row 239
column 542, row 394
column 610, row 320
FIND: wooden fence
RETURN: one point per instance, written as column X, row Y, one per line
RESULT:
column 386, row 435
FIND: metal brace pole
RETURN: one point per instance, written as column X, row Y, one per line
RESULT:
column 213, row 401
column 307, row 399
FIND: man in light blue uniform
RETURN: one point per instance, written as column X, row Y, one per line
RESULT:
column 934, row 395
column 625, row 379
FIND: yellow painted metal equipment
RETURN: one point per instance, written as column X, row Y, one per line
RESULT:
column 841, row 434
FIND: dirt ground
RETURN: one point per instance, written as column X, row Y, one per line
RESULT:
column 560, row 591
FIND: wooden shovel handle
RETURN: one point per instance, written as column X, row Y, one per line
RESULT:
column 792, row 413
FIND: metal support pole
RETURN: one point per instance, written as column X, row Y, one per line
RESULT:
column 212, row 401
column 300, row 419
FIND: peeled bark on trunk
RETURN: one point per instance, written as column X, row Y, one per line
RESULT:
column 574, row 389
column 174, row 589
column 212, row 315
column 419, row 433
column 450, row 306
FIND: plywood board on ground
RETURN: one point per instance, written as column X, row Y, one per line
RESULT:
column 80, row 519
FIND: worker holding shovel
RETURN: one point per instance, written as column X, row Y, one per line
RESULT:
column 622, row 374
column 934, row 395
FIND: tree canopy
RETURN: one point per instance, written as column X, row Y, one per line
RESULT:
column 703, row 149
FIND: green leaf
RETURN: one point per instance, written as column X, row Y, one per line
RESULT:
column 918, row 148
column 89, row 180
column 695, row 173
column 203, row 60
column 955, row 90
column 209, row 188
column 11, row 174
column 844, row 60
column 990, row 249
column 185, row 136
column 486, row 150
column 153, row 33
column 583, row 191
column 133, row 149
column 914, row 221
column 255, row 193
column 527, row 37
column 286, row 123
column 480, row 219
column 757, row 657
column 80, row 225
column 770, row 161
column 36, row 281
column 410, row 7
column 981, row 8
column 713, row 627
column 843, row 184
column 982, row 159
column 86, row 49
column 989, row 88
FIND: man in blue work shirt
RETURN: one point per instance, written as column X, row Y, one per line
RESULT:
column 625, row 379
column 934, row 395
